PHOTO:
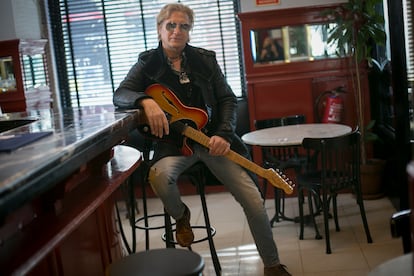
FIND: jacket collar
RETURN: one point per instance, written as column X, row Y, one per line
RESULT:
column 156, row 64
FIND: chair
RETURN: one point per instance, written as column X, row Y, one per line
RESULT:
column 243, row 118
column 335, row 168
column 401, row 228
column 280, row 158
column 158, row 262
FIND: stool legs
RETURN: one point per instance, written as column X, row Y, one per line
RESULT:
column 145, row 218
column 131, row 208
column 210, row 231
column 213, row 252
column 145, row 209
column 169, row 237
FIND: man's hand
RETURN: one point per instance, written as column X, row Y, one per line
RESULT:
column 157, row 120
column 218, row 146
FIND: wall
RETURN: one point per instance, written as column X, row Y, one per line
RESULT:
column 7, row 30
column 19, row 19
column 250, row 5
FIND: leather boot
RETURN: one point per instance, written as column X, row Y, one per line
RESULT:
column 184, row 234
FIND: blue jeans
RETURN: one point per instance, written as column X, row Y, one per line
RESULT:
column 163, row 177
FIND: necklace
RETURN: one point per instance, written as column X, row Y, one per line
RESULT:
column 173, row 59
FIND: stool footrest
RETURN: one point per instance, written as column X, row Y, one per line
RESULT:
column 212, row 231
column 138, row 226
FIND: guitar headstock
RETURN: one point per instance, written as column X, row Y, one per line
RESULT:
column 279, row 180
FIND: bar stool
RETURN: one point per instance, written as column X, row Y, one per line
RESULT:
column 158, row 262
column 198, row 175
column 137, row 140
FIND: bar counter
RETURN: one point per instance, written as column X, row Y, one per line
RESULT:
column 43, row 185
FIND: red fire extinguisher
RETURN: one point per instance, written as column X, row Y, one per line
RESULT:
column 333, row 105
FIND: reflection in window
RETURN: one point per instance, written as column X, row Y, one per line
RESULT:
column 34, row 71
column 298, row 42
column 318, row 41
column 268, row 45
column 7, row 79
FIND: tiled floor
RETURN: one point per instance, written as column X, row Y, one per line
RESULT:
column 351, row 255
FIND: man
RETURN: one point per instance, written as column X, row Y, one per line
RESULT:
column 196, row 79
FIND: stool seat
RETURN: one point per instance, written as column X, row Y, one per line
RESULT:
column 158, row 262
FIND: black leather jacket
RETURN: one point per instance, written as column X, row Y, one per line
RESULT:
column 220, row 101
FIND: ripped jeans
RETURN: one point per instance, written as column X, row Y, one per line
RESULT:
column 163, row 177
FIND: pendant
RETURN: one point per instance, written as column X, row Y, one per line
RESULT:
column 184, row 78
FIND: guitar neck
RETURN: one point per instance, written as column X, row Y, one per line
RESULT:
column 204, row 140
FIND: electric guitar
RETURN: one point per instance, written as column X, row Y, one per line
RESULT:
column 177, row 113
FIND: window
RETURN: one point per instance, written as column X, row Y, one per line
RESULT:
column 97, row 42
column 408, row 27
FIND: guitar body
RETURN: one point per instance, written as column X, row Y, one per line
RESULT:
column 177, row 112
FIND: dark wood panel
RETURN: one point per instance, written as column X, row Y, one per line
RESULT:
column 279, row 99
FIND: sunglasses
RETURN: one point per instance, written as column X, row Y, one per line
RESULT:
column 170, row 26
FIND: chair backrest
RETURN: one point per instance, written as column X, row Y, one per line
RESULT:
column 243, row 121
column 266, row 123
column 338, row 159
column 293, row 120
column 280, row 157
column 283, row 121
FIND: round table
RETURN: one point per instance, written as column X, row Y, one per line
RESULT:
column 293, row 135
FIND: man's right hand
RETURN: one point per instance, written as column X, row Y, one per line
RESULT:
column 157, row 120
